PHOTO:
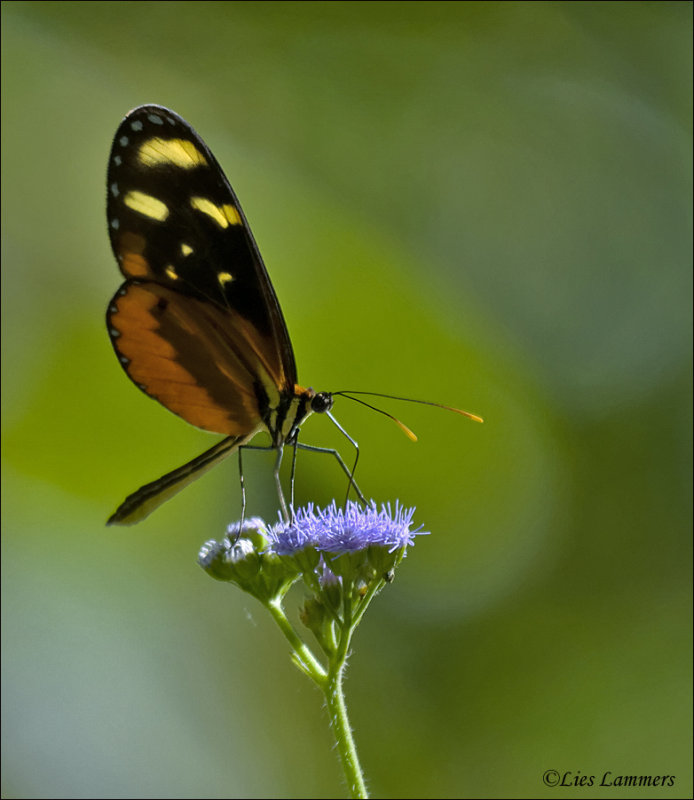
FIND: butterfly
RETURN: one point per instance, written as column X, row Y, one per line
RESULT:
column 196, row 324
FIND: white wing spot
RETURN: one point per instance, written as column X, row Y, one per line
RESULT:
column 123, row 141
column 115, row 224
column 155, row 119
column 115, row 191
column 114, row 333
column 136, row 125
column 117, row 160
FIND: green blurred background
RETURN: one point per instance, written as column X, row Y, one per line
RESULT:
column 487, row 205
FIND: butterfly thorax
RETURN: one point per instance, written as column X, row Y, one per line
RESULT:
column 284, row 420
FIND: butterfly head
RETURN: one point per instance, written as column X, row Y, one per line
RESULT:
column 285, row 426
column 321, row 402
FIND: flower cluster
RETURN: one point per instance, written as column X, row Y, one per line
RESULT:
column 342, row 554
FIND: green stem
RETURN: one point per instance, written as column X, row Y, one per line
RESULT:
column 304, row 658
column 375, row 587
column 331, row 683
column 343, row 733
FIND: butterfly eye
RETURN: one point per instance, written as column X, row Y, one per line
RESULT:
column 322, row 402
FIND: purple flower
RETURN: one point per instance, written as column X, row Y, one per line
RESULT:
column 344, row 530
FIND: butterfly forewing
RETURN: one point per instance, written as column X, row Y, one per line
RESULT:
column 197, row 324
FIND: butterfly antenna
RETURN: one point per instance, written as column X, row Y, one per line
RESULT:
column 410, row 434
column 349, row 393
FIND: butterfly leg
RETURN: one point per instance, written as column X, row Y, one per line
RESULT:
column 278, row 482
column 291, row 480
column 243, row 491
column 350, row 475
column 356, row 459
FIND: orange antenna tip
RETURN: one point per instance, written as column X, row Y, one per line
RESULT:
column 411, row 435
column 468, row 414
column 459, row 411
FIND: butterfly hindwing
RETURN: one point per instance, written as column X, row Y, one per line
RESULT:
column 157, row 334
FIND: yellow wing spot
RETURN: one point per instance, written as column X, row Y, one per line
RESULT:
column 225, row 277
column 146, row 205
column 232, row 215
column 171, row 273
column 186, row 249
column 223, row 215
column 177, row 152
